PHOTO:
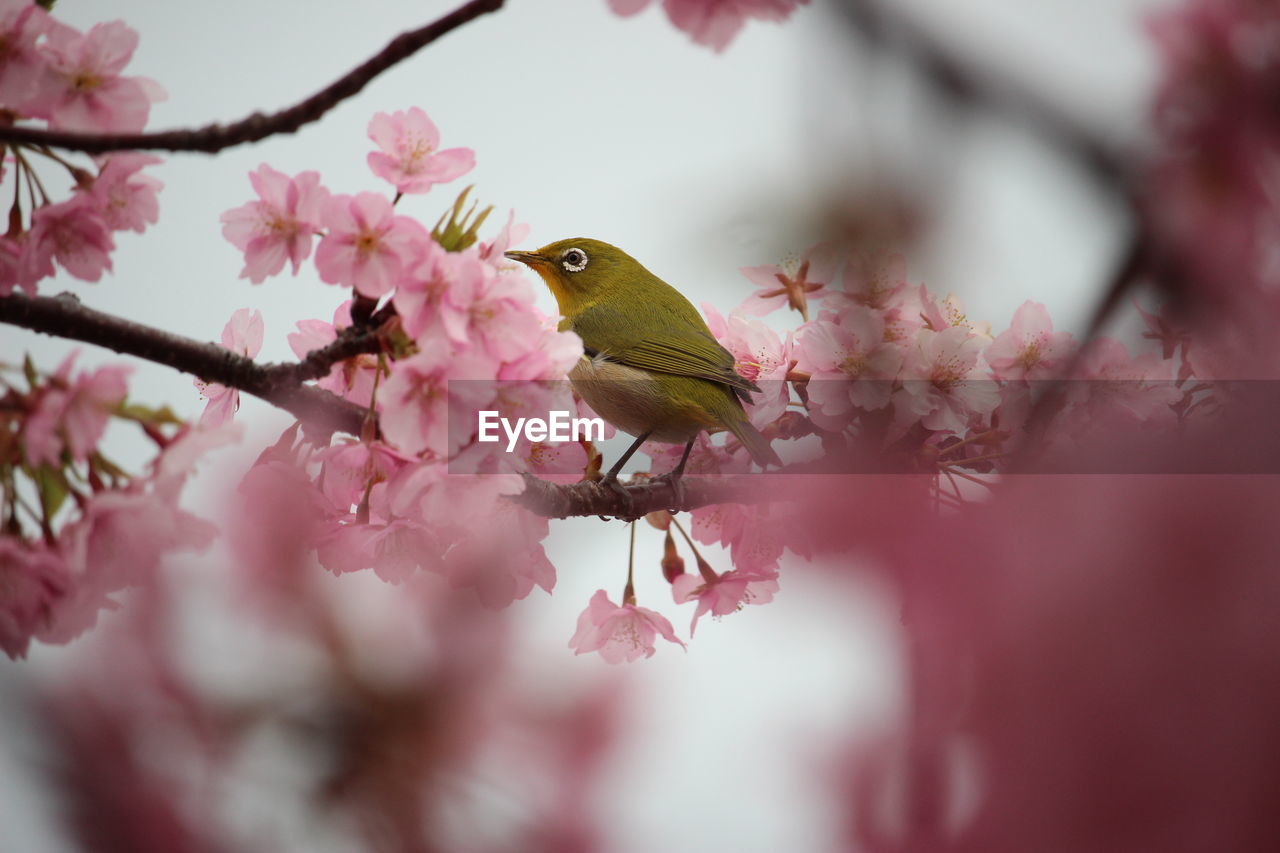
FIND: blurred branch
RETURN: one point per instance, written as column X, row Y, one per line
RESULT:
column 960, row 79
column 278, row 384
column 216, row 137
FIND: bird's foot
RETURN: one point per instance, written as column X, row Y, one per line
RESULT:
column 610, row 482
column 676, row 482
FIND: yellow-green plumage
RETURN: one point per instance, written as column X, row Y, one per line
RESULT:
column 651, row 366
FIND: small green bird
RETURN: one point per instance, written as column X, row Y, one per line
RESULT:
column 650, row 366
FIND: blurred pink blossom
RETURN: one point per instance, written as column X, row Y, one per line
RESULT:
column 71, row 414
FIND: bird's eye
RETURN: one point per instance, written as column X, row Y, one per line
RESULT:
column 574, row 260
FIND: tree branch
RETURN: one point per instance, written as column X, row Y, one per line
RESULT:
column 216, row 137
column 278, row 384
column 588, row 498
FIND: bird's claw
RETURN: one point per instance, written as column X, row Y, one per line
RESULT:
column 676, row 482
column 628, row 502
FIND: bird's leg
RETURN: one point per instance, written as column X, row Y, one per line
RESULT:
column 676, row 476
column 610, row 480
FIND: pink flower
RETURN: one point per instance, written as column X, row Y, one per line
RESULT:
column 713, row 23
column 279, row 225
column 877, row 280
column 436, row 292
column 420, row 411
column 943, row 385
column 243, row 335
column 394, row 550
column 849, row 365
column 512, row 234
column 26, row 80
column 351, row 379
column 410, row 159
column 759, row 355
column 32, row 580
column 1030, row 348
column 93, row 96
column 793, row 283
column 619, row 632
column 74, row 233
column 72, row 414
column 723, row 594
column 367, row 246
column 125, row 198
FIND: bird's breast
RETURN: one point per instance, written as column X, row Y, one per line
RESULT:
column 636, row 401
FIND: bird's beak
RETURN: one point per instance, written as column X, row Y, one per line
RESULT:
column 532, row 259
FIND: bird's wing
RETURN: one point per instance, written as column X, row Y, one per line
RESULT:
column 674, row 349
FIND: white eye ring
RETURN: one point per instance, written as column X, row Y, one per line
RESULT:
column 571, row 266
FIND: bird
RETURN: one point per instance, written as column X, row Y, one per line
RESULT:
column 649, row 364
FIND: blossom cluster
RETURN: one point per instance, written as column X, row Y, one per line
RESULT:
column 386, row 500
column 63, row 79
column 77, row 527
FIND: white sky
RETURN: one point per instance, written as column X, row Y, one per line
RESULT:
column 696, row 163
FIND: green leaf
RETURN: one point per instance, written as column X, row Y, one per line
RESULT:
column 457, row 230
column 147, row 414
column 29, row 370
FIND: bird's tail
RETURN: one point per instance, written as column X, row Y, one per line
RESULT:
column 755, row 443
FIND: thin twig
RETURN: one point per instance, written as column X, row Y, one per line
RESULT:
column 216, row 137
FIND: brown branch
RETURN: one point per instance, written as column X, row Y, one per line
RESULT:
column 216, row 137
column 278, row 384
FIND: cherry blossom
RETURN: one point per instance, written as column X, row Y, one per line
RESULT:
column 71, row 414
column 410, row 158
column 278, row 227
column 367, row 245
column 243, row 336
column 124, row 197
column 722, row 594
column 619, row 632
column 759, row 355
column 26, row 80
column 1030, row 348
column 32, row 580
column 943, row 383
column 352, row 379
column 93, row 95
column 418, row 408
column 793, row 283
column 74, row 233
column 849, row 364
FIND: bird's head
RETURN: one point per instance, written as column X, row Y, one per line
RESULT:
column 580, row 271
